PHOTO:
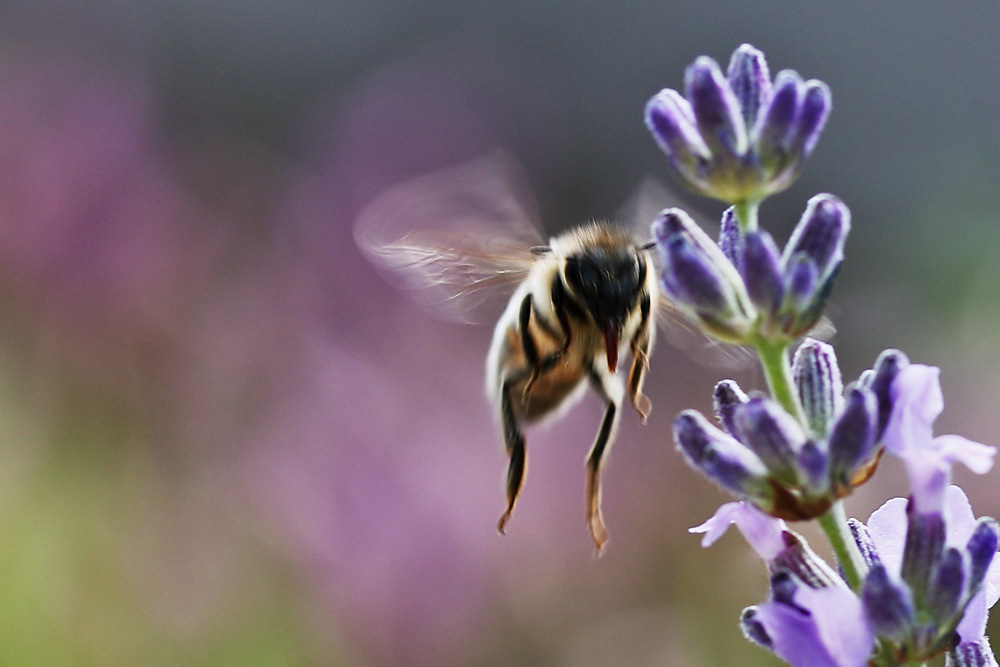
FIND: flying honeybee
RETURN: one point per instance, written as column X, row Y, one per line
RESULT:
column 579, row 301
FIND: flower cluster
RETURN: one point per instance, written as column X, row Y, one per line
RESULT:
column 738, row 137
column 742, row 288
column 917, row 579
column 791, row 468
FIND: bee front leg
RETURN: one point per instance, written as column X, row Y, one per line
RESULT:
column 612, row 391
column 514, row 442
column 640, row 346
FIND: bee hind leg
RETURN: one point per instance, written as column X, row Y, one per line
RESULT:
column 514, row 442
column 595, row 518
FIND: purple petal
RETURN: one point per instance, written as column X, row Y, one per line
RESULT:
column 826, row 627
column 887, row 527
column 917, row 402
column 762, row 531
column 975, row 456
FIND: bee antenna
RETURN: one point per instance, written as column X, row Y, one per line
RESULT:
column 648, row 245
column 540, row 250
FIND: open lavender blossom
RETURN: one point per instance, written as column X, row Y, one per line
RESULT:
column 812, row 619
column 917, row 402
column 737, row 136
column 788, row 468
column 932, row 577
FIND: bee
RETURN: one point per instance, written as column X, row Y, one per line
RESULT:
column 579, row 302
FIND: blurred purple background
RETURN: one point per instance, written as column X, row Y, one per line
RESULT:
column 225, row 439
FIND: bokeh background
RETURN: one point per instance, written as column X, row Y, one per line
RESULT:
column 226, row 440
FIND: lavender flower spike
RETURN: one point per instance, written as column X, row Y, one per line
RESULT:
column 909, row 434
column 735, row 137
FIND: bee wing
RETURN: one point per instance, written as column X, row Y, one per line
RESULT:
column 454, row 238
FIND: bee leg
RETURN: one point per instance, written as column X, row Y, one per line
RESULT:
column 514, row 441
column 640, row 346
column 611, row 390
column 528, row 344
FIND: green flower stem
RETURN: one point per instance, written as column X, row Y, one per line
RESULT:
column 746, row 215
column 834, row 524
column 778, row 371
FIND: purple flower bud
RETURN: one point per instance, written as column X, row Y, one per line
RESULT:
column 820, row 234
column 772, row 434
column 800, row 560
column 762, row 271
column 670, row 119
column 689, row 276
column 971, row 654
column 750, row 81
column 866, row 545
column 774, row 129
column 700, row 279
column 888, row 606
column 982, row 547
column 812, row 117
column 727, row 396
column 925, row 540
column 814, row 467
column 945, row 594
column 818, row 381
column 716, row 110
column 886, row 368
column 720, row 457
column 801, row 280
column 852, row 437
column 731, row 239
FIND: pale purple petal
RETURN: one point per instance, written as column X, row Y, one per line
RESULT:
column 975, row 456
column 833, row 632
column 959, row 517
column 917, row 401
column 973, row 623
column 761, row 531
column 930, row 477
column 887, row 527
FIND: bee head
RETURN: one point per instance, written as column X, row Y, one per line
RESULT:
column 606, row 283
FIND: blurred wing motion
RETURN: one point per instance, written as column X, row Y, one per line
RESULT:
column 453, row 237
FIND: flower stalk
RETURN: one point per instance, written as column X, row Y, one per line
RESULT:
column 917, row 580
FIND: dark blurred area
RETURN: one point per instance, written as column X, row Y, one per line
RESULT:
column 226, row 440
